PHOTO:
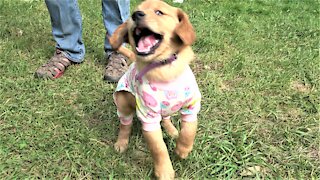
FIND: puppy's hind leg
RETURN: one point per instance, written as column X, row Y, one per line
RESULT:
column 125, row 102
column 169, row 127
column 123, row 138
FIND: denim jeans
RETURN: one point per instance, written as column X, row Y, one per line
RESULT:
column 67, row 24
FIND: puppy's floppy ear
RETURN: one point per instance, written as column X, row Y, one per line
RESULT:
column 184, row 29
column 120, row 36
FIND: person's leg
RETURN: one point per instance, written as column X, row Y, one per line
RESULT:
column 66, row 25
column 67, row 28
column 115, row 12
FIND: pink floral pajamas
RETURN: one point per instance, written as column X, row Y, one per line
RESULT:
column 159, row 100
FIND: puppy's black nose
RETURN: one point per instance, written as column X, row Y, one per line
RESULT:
column 138, row 15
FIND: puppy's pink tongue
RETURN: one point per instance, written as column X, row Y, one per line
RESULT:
column 146, row 43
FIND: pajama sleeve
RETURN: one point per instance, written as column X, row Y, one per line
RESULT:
column 191, row 108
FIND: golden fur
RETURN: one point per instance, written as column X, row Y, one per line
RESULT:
column 178, row 35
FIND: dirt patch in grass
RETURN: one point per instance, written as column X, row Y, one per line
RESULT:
column 314, row 153
column 230, row 84
column 199, row 66
column 300, row 86
column 94, row 122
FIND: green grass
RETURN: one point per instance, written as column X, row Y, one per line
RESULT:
column 257, row 67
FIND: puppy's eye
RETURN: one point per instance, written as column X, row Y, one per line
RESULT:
column 159, row 13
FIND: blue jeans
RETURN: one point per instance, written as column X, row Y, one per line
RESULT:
column 67, row 24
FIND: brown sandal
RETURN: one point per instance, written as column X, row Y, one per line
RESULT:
column 55, row 67
column 117, row 66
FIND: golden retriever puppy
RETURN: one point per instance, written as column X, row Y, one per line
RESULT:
column 159, row 82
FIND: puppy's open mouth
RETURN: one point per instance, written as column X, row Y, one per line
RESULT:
column 146, row 41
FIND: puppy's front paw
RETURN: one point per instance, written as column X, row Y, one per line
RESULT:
column 167, row 174
column 166, row 177
column 182, row 151
column 182, row 154
column 121, row 145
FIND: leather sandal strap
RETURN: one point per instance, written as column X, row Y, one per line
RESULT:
column 55, row 67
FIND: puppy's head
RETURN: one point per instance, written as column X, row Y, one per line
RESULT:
column 155, row 30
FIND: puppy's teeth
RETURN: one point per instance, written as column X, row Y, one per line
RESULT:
column 138, row 31
column 155, row 42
